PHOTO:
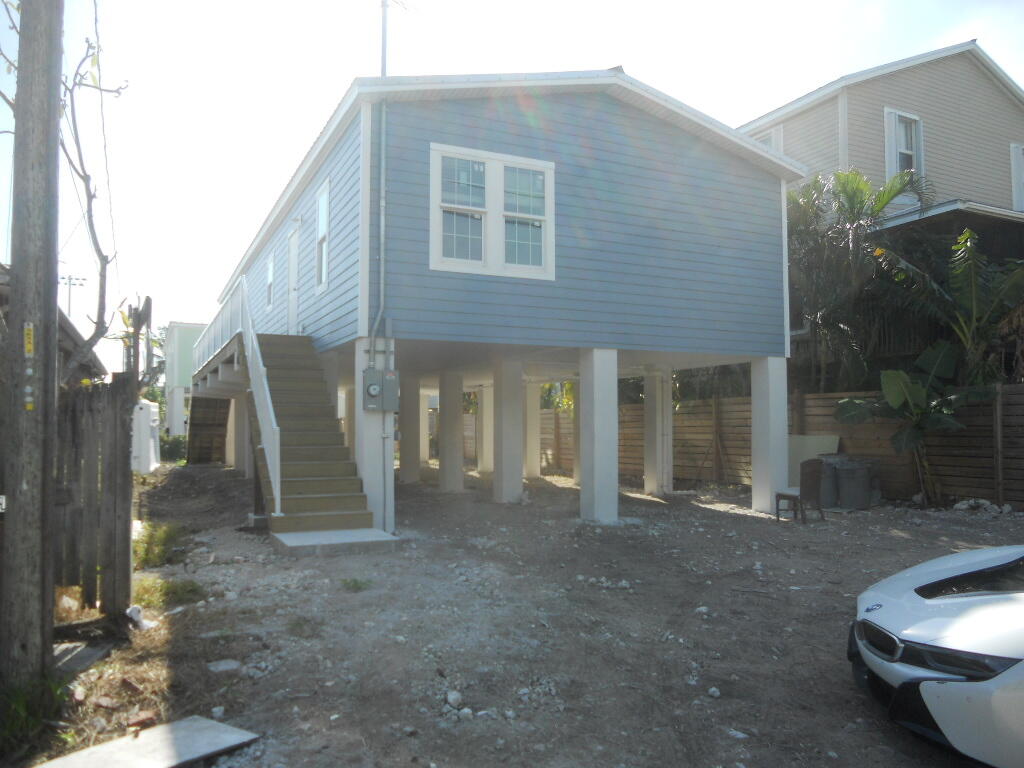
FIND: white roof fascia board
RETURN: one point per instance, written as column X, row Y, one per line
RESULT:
column 967, row 206
column 830, row 89
column 373, row 89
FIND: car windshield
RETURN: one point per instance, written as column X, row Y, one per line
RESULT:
column 999, row 578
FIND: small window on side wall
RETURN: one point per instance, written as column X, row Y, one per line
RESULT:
column 322, row 233
column 491, row 214
column 904, row 143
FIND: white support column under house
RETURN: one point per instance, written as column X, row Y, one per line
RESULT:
column 599, row 435
column 769, row 430
column 450, row 428
column 485, row 429
column 424, row 428
column 658, row 412
column 350, row 418
column 508, row 430
column 374, row 444
column 238, row 451
column 409, row 428
column 576, row 435
column 531, row 430
column 176, row 413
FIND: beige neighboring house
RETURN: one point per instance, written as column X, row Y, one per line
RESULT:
column 953, row 115
column 181, row 337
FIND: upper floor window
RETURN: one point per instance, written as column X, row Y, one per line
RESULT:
column 270, row 281
column 1017, row 175
column 771, row 138
column 491, row 214
column 322, row 228
column 904, row 140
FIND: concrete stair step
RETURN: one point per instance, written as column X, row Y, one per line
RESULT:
column 305, row 387
column 295, row 469
column 321, row 521
column 306, row 410
column 284, row 341
column 352, row 541
column 313, row 399
column 316, row 486
column 289, row 373
column 324, row 502
column 333, row 452
column 310, row 438
column 308, row 424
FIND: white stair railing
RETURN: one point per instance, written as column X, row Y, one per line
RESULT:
column 233, row 318
column 270, row 433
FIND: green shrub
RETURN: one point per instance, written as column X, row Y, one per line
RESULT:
column 158, row 544
column 24, row 714
column 173, row 448
column 355, row 585
column 153, row 592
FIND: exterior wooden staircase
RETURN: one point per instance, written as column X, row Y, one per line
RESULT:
column 320, row 489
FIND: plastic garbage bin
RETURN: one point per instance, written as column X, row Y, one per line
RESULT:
column 854, row 484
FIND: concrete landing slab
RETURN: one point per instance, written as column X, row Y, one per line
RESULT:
column 354, row 541
column 164, row 746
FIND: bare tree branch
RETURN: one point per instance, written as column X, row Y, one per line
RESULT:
column 7, row 100
column 10, row 17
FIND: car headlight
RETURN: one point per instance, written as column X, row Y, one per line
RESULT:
column 973, row 666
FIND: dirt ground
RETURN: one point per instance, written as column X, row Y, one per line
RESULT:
column 696, row 633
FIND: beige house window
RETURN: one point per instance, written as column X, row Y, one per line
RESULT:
column 904, row 143
column 1017, row 175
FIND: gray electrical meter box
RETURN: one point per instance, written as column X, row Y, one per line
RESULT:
column 380, row 390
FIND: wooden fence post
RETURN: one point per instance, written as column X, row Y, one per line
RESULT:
column 717, row 470
column 556, row 454
column 72, row 451
column 90, row 493
column 797, row 408
column 125, row 395
column 997, row 444
column 108, row 504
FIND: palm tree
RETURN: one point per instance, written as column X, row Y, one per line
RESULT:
column 835, row 256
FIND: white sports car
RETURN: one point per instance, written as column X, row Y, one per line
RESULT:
column 941, row 644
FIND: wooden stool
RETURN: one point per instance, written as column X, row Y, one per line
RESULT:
column 791, row 495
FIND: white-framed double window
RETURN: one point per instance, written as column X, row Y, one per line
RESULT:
column 1017, row 175
column 270, row 281
column 323, row 216
column 491, row 213
column 904, row 143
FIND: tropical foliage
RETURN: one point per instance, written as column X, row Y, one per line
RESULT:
column 922, row 401
column 841, row 275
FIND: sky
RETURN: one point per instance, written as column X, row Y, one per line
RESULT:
column 224, row 98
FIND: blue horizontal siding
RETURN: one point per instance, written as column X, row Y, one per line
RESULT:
column 330, row 317
column 663, row 241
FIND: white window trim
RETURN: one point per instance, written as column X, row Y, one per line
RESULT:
column 493, row 262
column 270, row 281
column 1017, row 175
column 892, row 165
column 325, row 190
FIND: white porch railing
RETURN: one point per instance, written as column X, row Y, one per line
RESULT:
column 234, row 318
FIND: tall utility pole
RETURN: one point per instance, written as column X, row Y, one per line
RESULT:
column 26, row 581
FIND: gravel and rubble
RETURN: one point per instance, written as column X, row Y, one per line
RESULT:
column 698, row 633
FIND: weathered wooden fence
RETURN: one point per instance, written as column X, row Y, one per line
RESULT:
column 711, row 442
column 92, row 518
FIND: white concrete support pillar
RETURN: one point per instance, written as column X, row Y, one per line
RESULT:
column 424, row 428
column 769, row 430
column 508, row 431
column 350, row 417
column 576, row 435
column 176, row 411
column 658, row 412
column 374, row 445
column 485, row 429
column 599, row 435
column 450, row 438
column 531, row 430
column 409, row 427
column 239, row 445
column 331, row 363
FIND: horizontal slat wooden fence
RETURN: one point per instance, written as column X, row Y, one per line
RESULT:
column 711, row 442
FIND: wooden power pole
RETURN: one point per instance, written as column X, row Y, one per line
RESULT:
column 26, row 580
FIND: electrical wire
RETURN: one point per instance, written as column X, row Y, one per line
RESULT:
column 103, row 125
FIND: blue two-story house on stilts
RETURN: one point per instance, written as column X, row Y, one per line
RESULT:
column 491, row 233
